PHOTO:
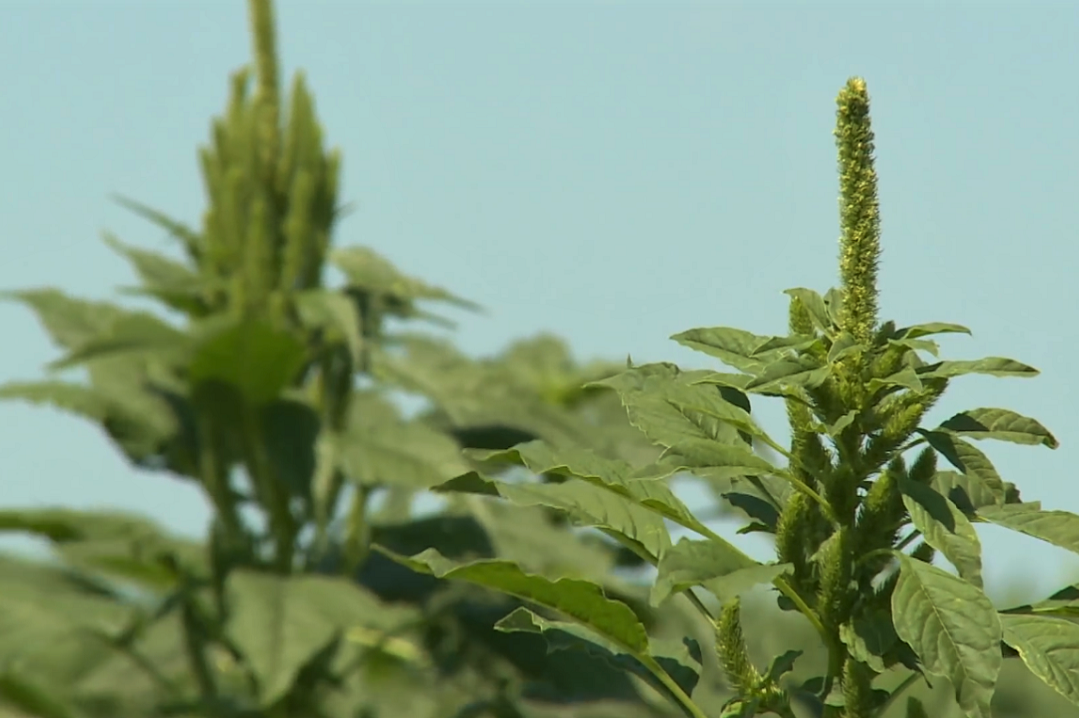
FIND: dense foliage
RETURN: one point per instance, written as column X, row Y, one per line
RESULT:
column 547, row 581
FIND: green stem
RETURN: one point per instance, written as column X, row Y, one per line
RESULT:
column 357, row 540
column 811, row 493
column 196, row 655
column 273, row 492
column 669, row 683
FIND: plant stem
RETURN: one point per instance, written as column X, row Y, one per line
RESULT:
column 669, row 683
column 357, row 538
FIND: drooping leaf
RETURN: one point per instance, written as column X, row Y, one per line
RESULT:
column 1050, row 649
column 1060, row 528
column 585, row 503
column 651, row 492
column 725, row 572
column 953, row 628
column 281, row 622
column 945, row 528
column 992, row 366
column 583, row 601
column 679, row 661
column 1000, row 424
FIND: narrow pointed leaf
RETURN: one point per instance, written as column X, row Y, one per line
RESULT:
column 581, row 600
column 1000, row 424
column 1050, row 649
column 587, row 504
column 992, row 366
column 675, row 659
column 924, row 330
column 953, row 628
column 612, row 475
column 1060, row 528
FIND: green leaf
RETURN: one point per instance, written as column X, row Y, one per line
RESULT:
column 734, row 347
column 31, row 699
column 69, row 321
column 999, row 424
column 367, row 270
column 174, row 283
column 924, row 330
column 953, row 628
column 723, row 461
column 726, row 573
column 77, row 399
column 993, row 366
column 869, row 638
column 802, row 371
column 379, row 448
column 618, row 476
column 968, row 493
column 674, row 658
column 585, row 503
column 1060, row 528
column 279, row 622
column 249, row 355
column 191, row 239
column 844, row 345
column 136, row 333
column 969, row 460
column 815, row 306
column 945, row 528
column 1050, row 649
column 583, row 601
column 651, row 393
column 905, row 378
column 334, row 312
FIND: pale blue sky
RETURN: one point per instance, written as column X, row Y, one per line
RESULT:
column 613, row 172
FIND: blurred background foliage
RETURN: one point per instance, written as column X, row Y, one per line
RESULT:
column 312, row 417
